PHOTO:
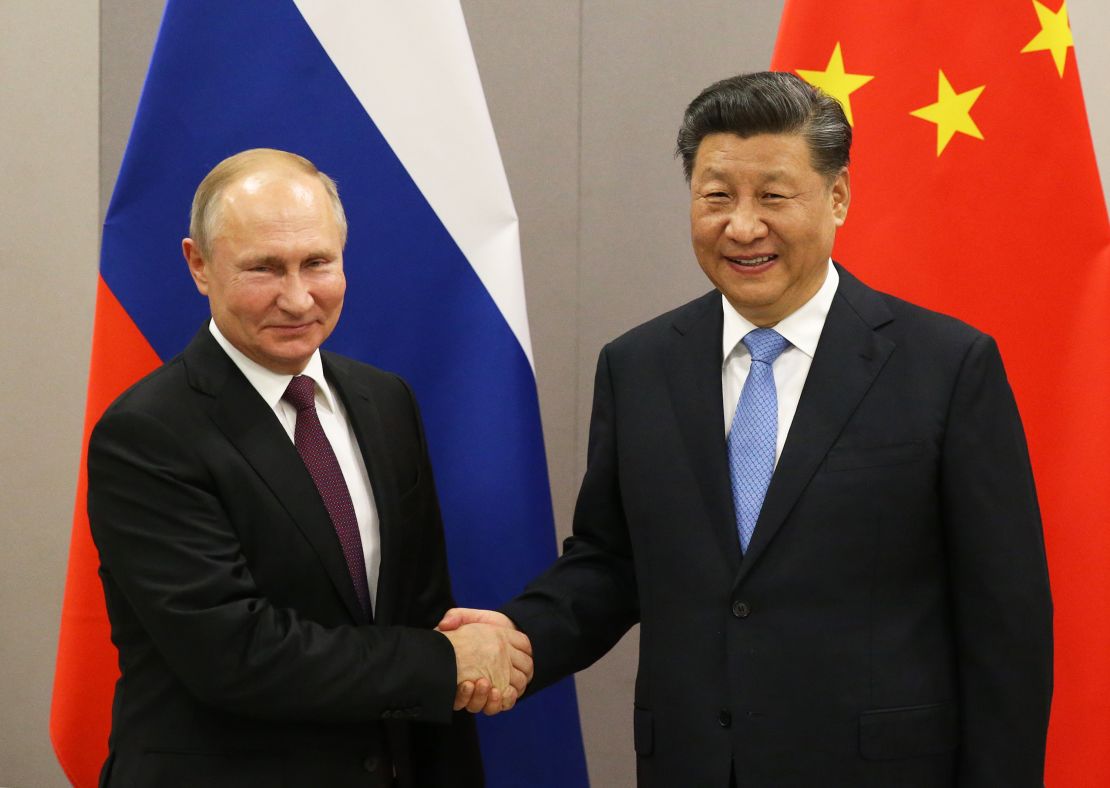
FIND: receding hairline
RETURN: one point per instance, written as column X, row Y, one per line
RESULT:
column 236, row 169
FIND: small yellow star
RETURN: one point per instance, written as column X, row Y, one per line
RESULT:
column 1055, row 34
column 835, row 82
column 951, row 112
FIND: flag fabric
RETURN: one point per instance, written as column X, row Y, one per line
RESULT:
column 976, row 193
column 385, row 98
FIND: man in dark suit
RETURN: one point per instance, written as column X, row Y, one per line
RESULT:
column 270, row 541
column 841, row 582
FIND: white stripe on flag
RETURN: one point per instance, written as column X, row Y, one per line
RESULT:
column 424, row 94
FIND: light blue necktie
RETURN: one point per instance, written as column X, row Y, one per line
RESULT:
column 752, row 438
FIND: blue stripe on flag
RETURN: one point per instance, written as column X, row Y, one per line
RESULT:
column 230, row 76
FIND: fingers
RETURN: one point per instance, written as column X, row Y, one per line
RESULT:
column 518, row 681
column 522, row 661
column 479, row 697
column 451, row 620
column 519, row 641
column 507, row 701
column 463, row 693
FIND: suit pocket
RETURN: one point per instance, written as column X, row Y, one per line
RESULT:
column 848, row 458
column 886, row 734
column 643, row 731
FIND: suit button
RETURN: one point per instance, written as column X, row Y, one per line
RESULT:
column 370, row 764
column 725, row 718
column 741, row 609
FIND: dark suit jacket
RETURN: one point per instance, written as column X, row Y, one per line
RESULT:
column 245, row 657
column 890, row 624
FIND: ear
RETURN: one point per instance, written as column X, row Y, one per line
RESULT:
column 198, row 269
column 841, row 196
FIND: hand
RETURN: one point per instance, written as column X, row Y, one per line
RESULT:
column 494, row 665
column 457, row 616
column 480, row 695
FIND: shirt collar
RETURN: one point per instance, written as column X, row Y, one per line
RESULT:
column 801, row 328
column 269, row 384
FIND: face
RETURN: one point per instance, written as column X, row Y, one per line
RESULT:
column 762, row 221
column 274, row 273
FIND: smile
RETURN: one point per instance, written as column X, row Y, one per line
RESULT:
column 752, row 262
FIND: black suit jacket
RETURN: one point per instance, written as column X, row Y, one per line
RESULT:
column 245, row 657
column 890, row 624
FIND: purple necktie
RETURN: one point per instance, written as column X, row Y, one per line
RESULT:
column 318, row 456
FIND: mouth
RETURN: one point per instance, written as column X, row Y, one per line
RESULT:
column 752, row 261
column 291, row 329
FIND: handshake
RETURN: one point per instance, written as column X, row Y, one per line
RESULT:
column 493, row 659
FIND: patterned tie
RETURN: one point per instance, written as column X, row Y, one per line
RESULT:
column 318, row 456
column 752, row 438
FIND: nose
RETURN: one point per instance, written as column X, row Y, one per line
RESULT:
column 294, row 296
column 745, row 223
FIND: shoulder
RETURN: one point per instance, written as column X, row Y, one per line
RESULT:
column 905, row 322
column 386, row 389
column 349, row 371
column 664, row 328
column 160, row 393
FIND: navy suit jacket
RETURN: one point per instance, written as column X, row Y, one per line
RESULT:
column 890, row 624
column 245, row 658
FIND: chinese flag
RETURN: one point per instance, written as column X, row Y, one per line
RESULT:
column 976, row 193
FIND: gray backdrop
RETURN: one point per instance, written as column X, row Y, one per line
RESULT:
column 585, row 98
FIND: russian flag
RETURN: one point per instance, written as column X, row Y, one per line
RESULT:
column 385, row 98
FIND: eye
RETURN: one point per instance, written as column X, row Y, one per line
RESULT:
column 773, row 196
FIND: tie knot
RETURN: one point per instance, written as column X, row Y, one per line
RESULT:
column 301, row 393
column 765, row 344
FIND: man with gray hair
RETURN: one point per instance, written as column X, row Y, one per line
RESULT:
column 270, row 541
column 814, row 498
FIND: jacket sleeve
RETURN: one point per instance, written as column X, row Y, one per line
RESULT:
column 179, row 585
column 580, row 607
column 998, row 579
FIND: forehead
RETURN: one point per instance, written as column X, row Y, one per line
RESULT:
column 765, row 155
column 274, row 199
column 275, row 214
column 273, row 189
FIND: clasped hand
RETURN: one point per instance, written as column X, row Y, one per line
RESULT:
column 493, row 659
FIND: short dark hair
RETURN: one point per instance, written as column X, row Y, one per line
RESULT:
column 768, row 102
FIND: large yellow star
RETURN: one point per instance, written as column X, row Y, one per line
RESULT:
column 835, row 82
column 951, row 112
column 1055, row 34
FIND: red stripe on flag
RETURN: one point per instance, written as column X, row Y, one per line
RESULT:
column 86, row 670
column 1072, row 477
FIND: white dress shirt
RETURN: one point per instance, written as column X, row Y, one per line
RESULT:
column 337, row 427
column 802, row 329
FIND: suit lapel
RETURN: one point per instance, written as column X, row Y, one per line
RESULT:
column 371, row 435
column 693, row 365
column 848, row 359
column 251, row 426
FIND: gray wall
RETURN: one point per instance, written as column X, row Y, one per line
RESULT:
column 584, row 96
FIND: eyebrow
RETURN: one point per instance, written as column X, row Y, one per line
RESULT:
column 271, row 259
column 777, row 174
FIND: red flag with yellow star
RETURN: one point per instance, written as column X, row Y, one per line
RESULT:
column 975, row 192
